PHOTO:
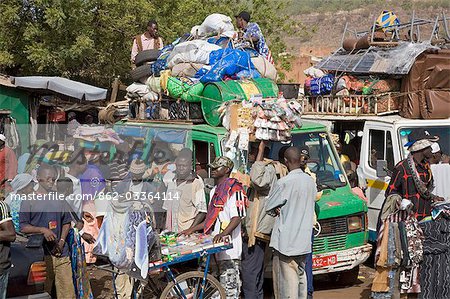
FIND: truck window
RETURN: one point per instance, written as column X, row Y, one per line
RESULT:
column 443, row 132
column 376, row 149
column 204, row 154
column 389, row 152
column 323, row 162
column 380, row 148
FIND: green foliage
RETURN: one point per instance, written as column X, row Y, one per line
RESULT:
column 90, row 40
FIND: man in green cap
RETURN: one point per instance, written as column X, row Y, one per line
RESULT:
column 225, row 212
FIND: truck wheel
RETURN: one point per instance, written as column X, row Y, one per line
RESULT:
column 146, row 56
column 141, row 72
column 348, row 277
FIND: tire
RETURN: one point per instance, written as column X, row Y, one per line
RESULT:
column 141, row 72
column 192, row 281
column 146, row 56
column 346, row 278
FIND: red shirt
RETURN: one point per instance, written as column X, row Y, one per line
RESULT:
column 8, row 164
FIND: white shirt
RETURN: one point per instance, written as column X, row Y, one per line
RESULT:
column 441, row 173
column 230, row 210
column 183, row 203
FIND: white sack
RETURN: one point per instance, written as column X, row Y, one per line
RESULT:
column 265, row 68
column 192, row 51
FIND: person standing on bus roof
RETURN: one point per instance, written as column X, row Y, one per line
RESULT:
column 150, row 39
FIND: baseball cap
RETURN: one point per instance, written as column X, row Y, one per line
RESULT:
column 244, row 15
column 304, row 150
column 222, row 162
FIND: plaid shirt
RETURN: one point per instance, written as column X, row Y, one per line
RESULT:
column 402, row 183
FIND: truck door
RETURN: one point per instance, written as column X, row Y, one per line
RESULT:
column 377, row 145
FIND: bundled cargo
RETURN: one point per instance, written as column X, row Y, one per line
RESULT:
column 188, row 70
column 261, row 118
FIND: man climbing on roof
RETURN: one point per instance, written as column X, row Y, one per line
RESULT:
column 253, row 34
column 150, row 39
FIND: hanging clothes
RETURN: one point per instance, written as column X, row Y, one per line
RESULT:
column 435, row 269
column 80, row 275
column 399, row 251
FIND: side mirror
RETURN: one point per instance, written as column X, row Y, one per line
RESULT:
column 382, row 168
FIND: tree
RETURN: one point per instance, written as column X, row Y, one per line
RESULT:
column 90, row 40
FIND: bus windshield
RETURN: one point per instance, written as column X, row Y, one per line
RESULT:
column 323, row 161
column 407, row 134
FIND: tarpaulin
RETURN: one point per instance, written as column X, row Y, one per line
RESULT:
column 437, row 104
column 63, row 86
column 422, row 87
column 226, row 62
column 439, row 77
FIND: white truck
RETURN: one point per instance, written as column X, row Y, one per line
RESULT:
column 379, row 141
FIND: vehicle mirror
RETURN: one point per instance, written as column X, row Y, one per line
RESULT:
column 382, row 168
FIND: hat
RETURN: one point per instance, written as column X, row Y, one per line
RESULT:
column 138, row 167
column 21, row 181
column 421, row 140
column 222, row 161
column 2, row 137
column 435, row 148
column 420, row 145
column 244, row 15
column 304, row 150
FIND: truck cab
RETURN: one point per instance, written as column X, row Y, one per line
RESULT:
column 382, row 147
column 341, row 241
column 377, row 145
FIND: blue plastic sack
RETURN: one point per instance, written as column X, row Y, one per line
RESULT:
column 248, row 74
column 225, row 62
column 223, row 42
column 323, row 85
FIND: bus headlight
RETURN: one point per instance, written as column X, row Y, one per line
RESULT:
column 355, row 223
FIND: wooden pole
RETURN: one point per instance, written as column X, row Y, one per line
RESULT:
column 115, row 90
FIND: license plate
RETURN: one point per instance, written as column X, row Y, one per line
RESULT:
column 324, row 261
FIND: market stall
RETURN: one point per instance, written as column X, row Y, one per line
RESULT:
column 134, row 248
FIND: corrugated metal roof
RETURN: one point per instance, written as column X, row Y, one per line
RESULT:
column 389, row 61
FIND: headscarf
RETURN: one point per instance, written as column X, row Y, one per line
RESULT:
column 20, row 181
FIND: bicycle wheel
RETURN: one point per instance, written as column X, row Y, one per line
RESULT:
column 190, row 283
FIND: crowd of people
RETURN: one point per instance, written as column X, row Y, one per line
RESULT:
column 276, row 211
column 68, row 228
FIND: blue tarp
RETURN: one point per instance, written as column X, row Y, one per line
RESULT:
column 227, row 62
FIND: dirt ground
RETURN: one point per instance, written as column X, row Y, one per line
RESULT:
column 324, row 289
